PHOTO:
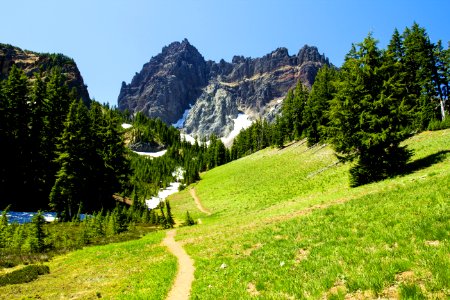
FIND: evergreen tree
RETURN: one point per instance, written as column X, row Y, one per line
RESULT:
column 419, row 65
column 4, row 140
column 108, row 158
column 4, row 228
column 38, row 151
column 188, row 221
column 279, row 132
column 315, row 114
column 169, row 216
column 293, row 111
column 369, row 113
column 37, row 233
column 15, row 133
column 73, row 176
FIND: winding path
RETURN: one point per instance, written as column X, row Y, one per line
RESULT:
column 198, row 202
column 181, row 289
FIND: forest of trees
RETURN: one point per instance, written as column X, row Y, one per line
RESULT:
column 58, row 152
column 68, row 156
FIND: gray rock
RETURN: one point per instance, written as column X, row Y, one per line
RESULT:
column 218, row 92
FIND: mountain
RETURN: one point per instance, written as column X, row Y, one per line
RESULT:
column 31, row 62
column 204, row 97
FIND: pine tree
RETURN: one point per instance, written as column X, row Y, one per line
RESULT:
column 369, row 114
column 169, row 216
column 293, row 111
column 73, row 176
column 279, row 132
column 15, row 132
column 40, row 161
column 315, row 113
column 4, row 228
column 37, row 232
column 4, row 140
column 188, row 221
column 421, row 83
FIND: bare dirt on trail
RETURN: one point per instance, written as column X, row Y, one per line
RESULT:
column 181, row 289
column 198, row 202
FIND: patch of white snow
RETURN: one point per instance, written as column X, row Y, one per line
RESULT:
column 152, row 154
column 153, row 202
column 241, row 122
column 180, row 122
column 187, row 138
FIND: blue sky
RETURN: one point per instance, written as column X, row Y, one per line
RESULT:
column 111, row 40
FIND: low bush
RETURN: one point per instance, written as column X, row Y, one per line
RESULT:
column 439, row 125
column 24, row 275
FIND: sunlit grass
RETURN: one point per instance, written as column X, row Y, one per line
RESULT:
column 287, row 231
column 139, row 269
column 284, row 225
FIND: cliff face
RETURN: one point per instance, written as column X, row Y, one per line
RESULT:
column 167, row 84
column 215, row 93
column 32, row 62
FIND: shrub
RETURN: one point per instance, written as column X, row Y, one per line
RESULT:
column 24, row 275
column 439, row 125
column 188, row 221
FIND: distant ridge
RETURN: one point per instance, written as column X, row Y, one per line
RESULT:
column 31, row 62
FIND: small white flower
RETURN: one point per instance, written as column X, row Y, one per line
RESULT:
column 281, row 263
column 223, row 266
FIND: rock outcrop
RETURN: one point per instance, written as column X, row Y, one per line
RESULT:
column 32, row 62
column 215, row 93
column 167, row 84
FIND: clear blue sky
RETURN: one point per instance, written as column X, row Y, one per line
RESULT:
column 111, row 40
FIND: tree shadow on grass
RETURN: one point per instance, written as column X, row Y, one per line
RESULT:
column 426, row 161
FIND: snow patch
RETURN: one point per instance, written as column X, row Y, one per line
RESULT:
column 180, row 122
column 241, row 122
column 153, row 202
column 188, row 138
column 152, row 154
column 126, row 126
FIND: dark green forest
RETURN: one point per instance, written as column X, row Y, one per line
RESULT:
column 68, row 156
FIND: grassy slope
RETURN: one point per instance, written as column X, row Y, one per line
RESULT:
column 272, row 227
column 383, row 239
column 139, row 269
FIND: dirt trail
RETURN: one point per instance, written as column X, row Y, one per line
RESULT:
column 181, row 288
column 197, row 202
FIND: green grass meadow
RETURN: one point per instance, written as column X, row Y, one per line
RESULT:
column 287, row 225
column 139, row 269
column 284, row 224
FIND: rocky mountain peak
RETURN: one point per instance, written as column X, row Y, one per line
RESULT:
column 167, row 84
column 310, row 53
column 179, row 81
column 280, row 53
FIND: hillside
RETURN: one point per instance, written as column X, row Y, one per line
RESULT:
column 204, row 97
column 288, row 226
column 31, row 62
column 285, row 225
